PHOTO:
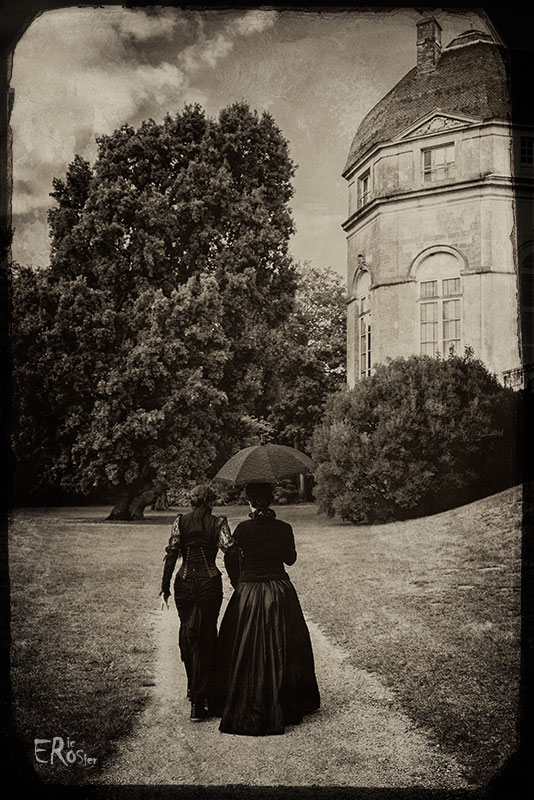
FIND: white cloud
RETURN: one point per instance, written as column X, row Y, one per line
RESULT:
column 208, row 51
column 256, row 21
column 143, row 26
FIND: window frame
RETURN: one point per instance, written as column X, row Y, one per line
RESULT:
column 440, row 320
column 364, row 338
column 437, row 174
column 526, row 143
column 364, row 197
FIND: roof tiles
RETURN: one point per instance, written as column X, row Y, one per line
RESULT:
column 469, row 80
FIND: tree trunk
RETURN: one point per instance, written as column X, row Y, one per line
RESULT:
column 133, row 501
column 301, row 478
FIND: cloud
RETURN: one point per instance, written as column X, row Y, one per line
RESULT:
column 209, row 50
column 79, row 73
column 74, row 80
column 140, row 25
column 82, row 72
column 256, row 21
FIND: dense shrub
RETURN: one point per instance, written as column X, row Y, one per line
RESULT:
column 418, row 436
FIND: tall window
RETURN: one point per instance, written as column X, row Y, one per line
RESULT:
column 364, row 323
column 438, row 163
column 439, row 302
column 365, row 341
column 440, row 316
column 364, row 189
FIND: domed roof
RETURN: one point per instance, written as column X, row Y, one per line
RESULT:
column 469, row 79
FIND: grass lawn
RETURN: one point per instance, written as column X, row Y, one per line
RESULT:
column 82, row 654
column 433, row 607
column 430, row 605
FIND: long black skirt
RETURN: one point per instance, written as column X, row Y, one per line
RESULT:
column 265, row 670
column 198, row 602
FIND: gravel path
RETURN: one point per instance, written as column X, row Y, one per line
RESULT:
column 358, row 738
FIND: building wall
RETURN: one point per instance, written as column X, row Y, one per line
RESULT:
column 480, row 149
column 471, row 217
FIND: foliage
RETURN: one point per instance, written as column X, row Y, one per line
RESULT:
column 307, row 355
column 418, row 436
column 139, row 351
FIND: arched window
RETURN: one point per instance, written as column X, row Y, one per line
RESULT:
column 363, row 286
column 439, row 298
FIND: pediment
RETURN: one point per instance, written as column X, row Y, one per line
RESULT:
column 436, row 123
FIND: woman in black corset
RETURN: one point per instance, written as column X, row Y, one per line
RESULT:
column 265, row 670
column 196, row 537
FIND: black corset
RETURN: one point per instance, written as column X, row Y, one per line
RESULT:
column 198, row 562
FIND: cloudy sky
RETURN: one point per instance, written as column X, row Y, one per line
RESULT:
column 81, row 72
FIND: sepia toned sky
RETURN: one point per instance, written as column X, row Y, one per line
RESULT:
column 81, row 72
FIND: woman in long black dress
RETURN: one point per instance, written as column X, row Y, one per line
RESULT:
column 196, row 536
column 265, row 670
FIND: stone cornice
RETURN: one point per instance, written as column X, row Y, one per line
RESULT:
column 488, row 182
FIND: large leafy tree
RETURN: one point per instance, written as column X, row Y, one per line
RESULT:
column 169, row 265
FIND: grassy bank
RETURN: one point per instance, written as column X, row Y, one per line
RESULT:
column 431, row 606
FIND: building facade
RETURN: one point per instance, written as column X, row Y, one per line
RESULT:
column 436, row 180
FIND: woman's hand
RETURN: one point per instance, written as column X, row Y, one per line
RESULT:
column 166, row 596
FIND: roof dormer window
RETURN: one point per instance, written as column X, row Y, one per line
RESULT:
column 438, row 163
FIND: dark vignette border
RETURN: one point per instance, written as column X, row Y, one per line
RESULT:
column 509, row 21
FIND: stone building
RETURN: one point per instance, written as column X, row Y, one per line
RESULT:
column 437, row 178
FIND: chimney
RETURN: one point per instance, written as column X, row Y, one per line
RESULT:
column 428, row 45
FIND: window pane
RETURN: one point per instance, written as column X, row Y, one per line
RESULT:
column 428, row 348
column 451, row 309
column 438, row 162
column 429, row 289
column 429, row 331
column 451, row 330
column 429, row 312
column 451, row 286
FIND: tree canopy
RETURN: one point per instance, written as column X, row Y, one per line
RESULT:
column 309, row 354
column 139, row 350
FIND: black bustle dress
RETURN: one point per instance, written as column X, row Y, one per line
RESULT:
column 265, row 675
column 197, row 592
